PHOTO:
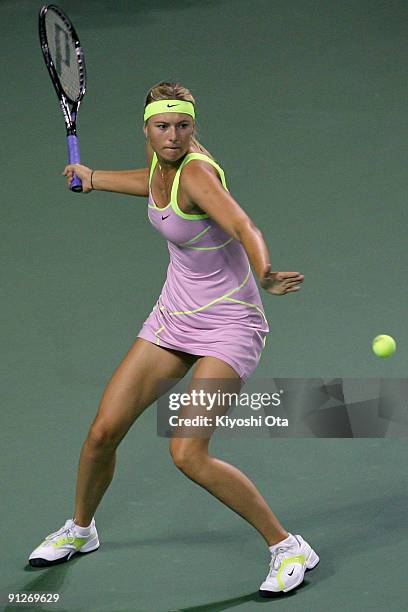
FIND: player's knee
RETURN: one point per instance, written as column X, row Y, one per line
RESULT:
column 101, row 438
column 186, row 456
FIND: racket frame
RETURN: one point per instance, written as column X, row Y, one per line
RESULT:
column 70, row 114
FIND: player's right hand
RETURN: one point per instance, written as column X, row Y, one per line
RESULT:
column 83, row 172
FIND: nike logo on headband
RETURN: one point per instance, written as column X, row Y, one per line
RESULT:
column 170, row 105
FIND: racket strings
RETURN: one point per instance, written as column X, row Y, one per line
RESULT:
column 64, row 55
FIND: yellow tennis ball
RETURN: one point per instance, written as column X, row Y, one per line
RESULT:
column 384, row 346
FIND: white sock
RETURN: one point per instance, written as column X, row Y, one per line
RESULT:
column 289, row 541
column 83, row 531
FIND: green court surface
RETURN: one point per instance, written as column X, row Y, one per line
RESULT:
column 303, row 104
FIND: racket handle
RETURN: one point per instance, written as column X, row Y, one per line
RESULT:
column 74, row 158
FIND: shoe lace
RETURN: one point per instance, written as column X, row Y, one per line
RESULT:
column 276, row 559
column 66, row 529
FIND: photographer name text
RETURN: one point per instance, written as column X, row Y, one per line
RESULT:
column 228, row 422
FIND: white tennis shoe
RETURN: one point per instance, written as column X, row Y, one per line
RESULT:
column 63, row 544
column 290, row 559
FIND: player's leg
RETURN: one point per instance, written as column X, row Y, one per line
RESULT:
column 291, row 555
column 221, row 479
column 131, row 389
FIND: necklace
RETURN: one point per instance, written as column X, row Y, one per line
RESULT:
column 163, row 179
column 165, row 187
column 161, row 171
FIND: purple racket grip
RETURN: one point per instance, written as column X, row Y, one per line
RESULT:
column 74, row 158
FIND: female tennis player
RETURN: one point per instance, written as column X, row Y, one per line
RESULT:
column 209, row 316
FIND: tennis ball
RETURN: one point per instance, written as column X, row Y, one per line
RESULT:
column 384, row 346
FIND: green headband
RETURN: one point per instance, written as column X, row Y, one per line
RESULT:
column 169, row 106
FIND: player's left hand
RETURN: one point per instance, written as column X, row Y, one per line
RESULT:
column 279, row 283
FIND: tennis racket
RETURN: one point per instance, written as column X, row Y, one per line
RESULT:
column 65, row 62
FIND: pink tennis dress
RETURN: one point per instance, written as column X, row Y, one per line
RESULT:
column 210, row 302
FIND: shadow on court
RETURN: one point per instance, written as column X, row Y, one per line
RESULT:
column 52, row 579
column 226, row 604
column 371, row 521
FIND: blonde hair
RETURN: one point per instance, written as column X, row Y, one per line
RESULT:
column 175, row 91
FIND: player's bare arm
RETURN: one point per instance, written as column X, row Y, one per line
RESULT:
column 130, row 182
column 205, row 190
